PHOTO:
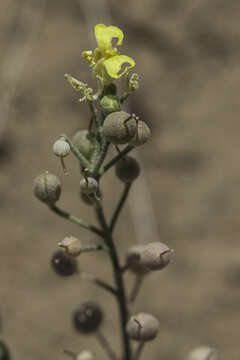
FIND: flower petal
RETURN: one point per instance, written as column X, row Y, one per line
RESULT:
column 104, row 35
column 114, row 65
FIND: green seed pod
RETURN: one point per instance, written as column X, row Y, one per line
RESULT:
column 142, row 327
column 110, row 104
column 84, row 142
column 142, row 134
column 155, row 256
column 117, row 129
column 133, row 260
column 127, row 169
column 71, row 245
column 4, row 350
column 86, row 355
column 203, row 353
column 47, row 188
column 61, row 148
column 89, row 186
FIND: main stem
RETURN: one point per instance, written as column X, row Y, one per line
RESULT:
column 121, row 296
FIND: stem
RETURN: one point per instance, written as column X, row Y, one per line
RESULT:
column 97, row 247
column 94, row 115
column 101, row 157
column 136, row 288
column 139, row 350
column 119, row 207
column 122, row 301
column 84, row 162
column 98, row 282
column 75, row 220
column 112, row 162
column 106, row 346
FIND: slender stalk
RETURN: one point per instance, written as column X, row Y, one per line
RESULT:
column 101, row 157
column 86, row 276
column 138, row 350
column 136, row 288
column 106, row 346
column 122, row 300
column 75, row 220
column 94, row 115
column 84, row 162
column 112, row 162
column 119, row 207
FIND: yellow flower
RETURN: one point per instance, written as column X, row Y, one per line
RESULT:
column 106, row 61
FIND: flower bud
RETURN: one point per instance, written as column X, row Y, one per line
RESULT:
column 89, row 186
column 119, row 127
column 47, row 188
column 127, row 169
column 63, row 265
column 142, row 327
column 155, row 256
column 110, row 104
column 4, row 350
column 72, row 246
column 61, row 148
column 84, row 142
column 86, row 355
column 142, row 134
column 87, row 317
column 203, row 353
column 133, row 260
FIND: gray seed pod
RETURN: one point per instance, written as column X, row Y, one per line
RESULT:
column 84, row 142
column 86, row 355
column 61, row 148
column 47, row 188
column 142, row 327
column 89, row 186
column 142, row 134
column 203, row 353
column 72, row 246
column 127, row 169
column 116, row 130
column 133, row 260
column 155, row 256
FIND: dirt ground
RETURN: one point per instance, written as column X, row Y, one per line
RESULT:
column 187, row 54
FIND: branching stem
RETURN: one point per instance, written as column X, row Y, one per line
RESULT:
column 112, row 162
column 119, row 207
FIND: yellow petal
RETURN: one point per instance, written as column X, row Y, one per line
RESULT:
column 117, row 66
column 104, row 35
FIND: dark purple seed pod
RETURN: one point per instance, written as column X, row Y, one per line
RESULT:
column 127, row 169
column 142, row 134
column 87, row 317
column 63, row 265
column 155, row 256
column 119, row 127
column 142, row 327
column 47, row 188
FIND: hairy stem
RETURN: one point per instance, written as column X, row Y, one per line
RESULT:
column 119, row 207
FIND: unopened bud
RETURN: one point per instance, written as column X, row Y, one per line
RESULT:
column 203, row 353
column 72, row 246
column 142, row 327
column 110, row 104
column 119, row 127
column 47, row 188
column 155, row 256
column 61, row 148
column 89, row 186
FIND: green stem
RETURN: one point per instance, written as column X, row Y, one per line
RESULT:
column 97, row 247
column 101, row 157
column 119, row 207
column 84, row 162
column 112, row 162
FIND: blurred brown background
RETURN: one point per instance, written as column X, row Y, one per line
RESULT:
column 187, row 55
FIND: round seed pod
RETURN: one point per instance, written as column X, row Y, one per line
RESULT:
column 89, row 199
column 62, row 264
column 89, row 186
column 61, row 148
column 117, row 129
column 87, row 317
column 142, row 134
column 110, row 104
column 86, row 355
column 155, row 256
column 203, row 353
column 127, row 169
column 4, row 351
column 84, row 142
column 71, row 246
column 133, row 260
column 47, row 188
column 142, row 327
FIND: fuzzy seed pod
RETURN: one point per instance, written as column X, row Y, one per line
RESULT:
column 203, row 353
column 72, row 246
column 4, row 351
column 117, row 129
column 127, row 169
column 61, row 148
column 62, row 264
column 142, row 327
column 86, row 355
column 84, row 142
column 47, row 188
column 133, row 260
column 110, row 104
column 142, row 134
column 89, row 186
column 155, row 256
column 87, row 317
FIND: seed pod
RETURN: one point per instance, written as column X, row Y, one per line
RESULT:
column 4, row 350
column 61, row 148
column 203, row 353
column 84, row 142
column 142, row 134
column 89, row 199
column 119, row 127
column 47, row 188
column 110, row 104
column 89, row 186
column 142, row 327
column 155, row 256
column 86, row 355
column 87, row 317
column 72, row 246
column 63, row 265
column 127, row 169
column 133, row 260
